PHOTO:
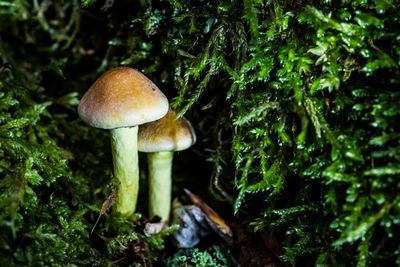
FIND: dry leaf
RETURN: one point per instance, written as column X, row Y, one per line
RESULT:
column 107, row 204
column 220, row 224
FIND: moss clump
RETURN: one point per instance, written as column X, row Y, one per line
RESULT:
column 194, row 257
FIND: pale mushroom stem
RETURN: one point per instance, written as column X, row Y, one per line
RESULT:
column 126, row 168
column 160, row 183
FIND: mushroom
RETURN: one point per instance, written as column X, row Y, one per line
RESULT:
column 120, row 100
column 160, row 139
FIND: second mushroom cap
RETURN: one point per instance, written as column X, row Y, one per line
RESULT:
column 166, row 134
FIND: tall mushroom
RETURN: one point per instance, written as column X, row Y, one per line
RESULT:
column 160, row 139
column 120, row 100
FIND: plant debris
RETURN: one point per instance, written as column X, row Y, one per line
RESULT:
column 107, row 204
column 192, row 224
column 214, row 220
column 152, row 228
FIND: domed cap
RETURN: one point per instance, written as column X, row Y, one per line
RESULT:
column 166, row 134
column 122, row 97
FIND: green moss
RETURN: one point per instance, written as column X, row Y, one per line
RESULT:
column 194, row 257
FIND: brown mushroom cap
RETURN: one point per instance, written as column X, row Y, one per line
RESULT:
column 122, row 97
column 166, row 134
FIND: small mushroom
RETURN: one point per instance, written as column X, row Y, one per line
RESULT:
column 160, row 139
column 120, row 100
